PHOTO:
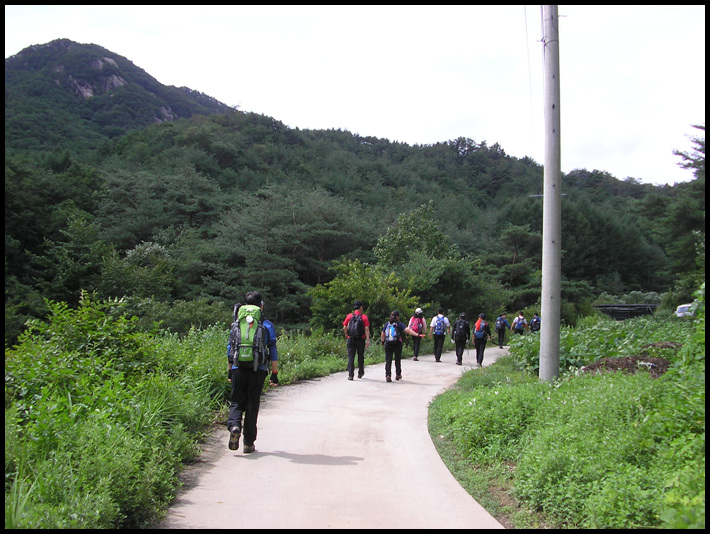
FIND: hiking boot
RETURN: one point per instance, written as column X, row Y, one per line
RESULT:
column 350, row 377
column 388, row 378
column 361, row 374
column 248, row 449
column 415, row 359
column 234, row 435
column 398, row 377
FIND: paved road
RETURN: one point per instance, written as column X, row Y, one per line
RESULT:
column 333, row 453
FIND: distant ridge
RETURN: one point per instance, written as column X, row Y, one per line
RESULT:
column 79, row 95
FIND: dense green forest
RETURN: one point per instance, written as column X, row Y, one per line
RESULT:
column 183, row 216
column 135, row 212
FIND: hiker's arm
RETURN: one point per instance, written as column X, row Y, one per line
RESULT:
column 411, row 332
column 273, row 355
column 274, row 378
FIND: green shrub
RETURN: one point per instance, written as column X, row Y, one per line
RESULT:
column 597, row 337
column 99, row 417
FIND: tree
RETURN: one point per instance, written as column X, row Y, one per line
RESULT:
column 73, row 263
column 373, row 286
column 413, row 232
column 696, row 159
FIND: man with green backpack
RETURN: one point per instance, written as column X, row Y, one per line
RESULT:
column 251, row 349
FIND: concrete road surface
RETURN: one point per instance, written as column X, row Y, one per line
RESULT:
column 333, row 453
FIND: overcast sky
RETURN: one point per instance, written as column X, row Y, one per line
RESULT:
column 632, row 77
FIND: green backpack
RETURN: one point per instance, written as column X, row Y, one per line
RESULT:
column 247, row 337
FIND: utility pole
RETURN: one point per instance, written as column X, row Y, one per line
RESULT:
column 551, row 205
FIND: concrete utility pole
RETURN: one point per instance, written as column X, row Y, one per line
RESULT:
column 551, row 204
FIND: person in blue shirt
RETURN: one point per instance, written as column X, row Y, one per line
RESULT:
column 440, row 328
column 391, row 336
column 535, row 323
column 247, row 385
column 501, row 325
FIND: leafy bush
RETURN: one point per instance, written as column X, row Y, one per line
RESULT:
column 590, row 451
column 99, row 417
column 595, row 452
column 598, row 336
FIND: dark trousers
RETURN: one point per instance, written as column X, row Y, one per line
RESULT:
column 480, row 347
column 247, row 386
column 438, row 346
column 356, row 345
column 393, row 349
column 460, row 347
column 417, row 342
column 501, row 337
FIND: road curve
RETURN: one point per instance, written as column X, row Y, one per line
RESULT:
column 333, row 453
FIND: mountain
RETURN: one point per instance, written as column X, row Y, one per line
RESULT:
column 105, row 191
column 78, row 95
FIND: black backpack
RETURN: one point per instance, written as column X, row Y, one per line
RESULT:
column 356, row 326
column 461, row 330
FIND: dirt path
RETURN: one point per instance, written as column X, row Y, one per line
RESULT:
column 333, row 453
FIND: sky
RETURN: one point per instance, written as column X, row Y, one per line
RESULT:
column 632, row 78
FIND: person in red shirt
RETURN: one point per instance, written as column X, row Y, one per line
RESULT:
column 356, row 327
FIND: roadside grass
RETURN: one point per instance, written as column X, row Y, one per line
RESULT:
column 588, row 451
column 100, row 418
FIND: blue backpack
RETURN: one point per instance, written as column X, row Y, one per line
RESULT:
column 391, row 332
column 440, row 327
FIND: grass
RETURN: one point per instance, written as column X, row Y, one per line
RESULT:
column 589, row 451
column 100, row 417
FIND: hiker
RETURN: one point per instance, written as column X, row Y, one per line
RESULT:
column 418, row 324
column 439, row 328
column 248, row 368
column 519, row 324
column 481, row 335
column 356, row 327
column 502, row 325
column 391, row 337
column 461, row 336
column 535, row 323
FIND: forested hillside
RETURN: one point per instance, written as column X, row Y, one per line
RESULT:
column 71, row 95
column 115, row 194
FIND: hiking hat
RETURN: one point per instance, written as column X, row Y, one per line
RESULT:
column 462, row 315
column 356, row 305
column 418, row 310
column 482, row 315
